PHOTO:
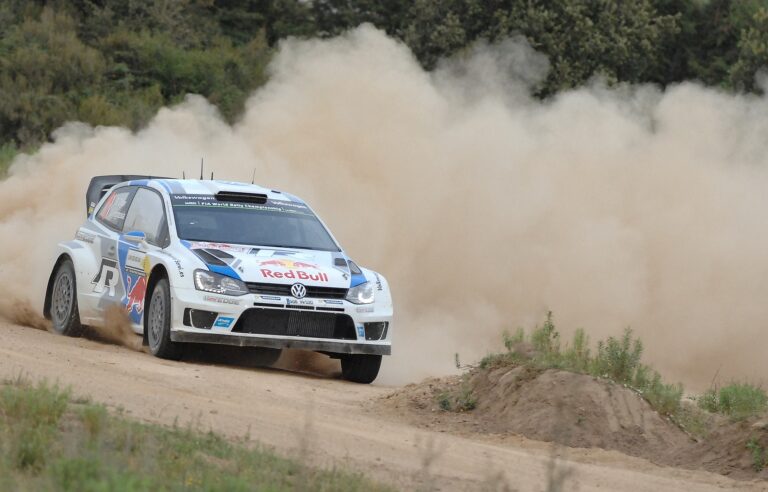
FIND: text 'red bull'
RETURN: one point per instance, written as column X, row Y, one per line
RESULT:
column 296, row 275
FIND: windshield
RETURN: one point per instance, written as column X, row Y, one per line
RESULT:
column 279, row 224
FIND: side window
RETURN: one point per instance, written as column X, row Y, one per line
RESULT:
column 112, row 212
column 147, row 215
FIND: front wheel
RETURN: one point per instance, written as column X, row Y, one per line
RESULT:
column 65, row 316
column 159, row 323
column 360, row 368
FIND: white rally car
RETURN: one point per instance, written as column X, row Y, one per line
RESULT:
column 222, row 263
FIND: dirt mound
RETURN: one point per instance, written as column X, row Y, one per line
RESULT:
column 736, row 449
column 575, row 410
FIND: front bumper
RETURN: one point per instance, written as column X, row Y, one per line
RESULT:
column 315, row 344
column 224, row 328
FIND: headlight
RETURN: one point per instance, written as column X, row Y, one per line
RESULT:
column 219, row 284
column 362, row 294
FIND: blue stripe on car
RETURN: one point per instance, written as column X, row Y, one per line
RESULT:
column 357, row 279
column 223, row 270
column 164, row 185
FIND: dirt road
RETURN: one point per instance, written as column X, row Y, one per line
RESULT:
column 327, row 420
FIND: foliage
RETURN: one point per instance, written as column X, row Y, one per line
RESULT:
column 720, row 42
column 694, row 420
column 462, row 400
column 8, row 152
column 617, row 359
column 49, row 443
column 115, row 62
column 736, row 400
column 759, row 454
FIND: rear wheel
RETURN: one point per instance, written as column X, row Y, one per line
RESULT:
column 64, row 313
column 360, row 368
column 159, row 323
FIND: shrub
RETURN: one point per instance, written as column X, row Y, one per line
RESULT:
column 736, row 400
column 759, row 454
column 617, row 359
column 462, row 401
column 8, row 152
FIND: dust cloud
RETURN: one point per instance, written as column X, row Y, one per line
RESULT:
column 117, row 330
column 484, row 207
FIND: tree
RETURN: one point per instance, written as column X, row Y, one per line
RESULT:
column 43, row 69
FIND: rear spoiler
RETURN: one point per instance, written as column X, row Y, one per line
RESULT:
column 101, row 184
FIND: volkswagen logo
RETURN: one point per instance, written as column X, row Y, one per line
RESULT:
column 298, row 291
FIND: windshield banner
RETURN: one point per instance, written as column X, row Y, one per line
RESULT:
column 211, row 201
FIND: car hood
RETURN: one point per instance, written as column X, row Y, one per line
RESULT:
column 275, row 266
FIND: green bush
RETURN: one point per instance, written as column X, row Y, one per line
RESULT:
column 617, row 359
column 462, row 400
column 759, row 454
column 8, row 152
column 736, row 400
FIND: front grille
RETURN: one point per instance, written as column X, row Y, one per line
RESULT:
column 285, row 290
column 296, row 323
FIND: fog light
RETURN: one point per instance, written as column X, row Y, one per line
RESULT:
column 376, row 331
column 197, row 318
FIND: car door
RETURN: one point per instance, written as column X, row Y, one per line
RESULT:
column 105, row 287
column 146, row 216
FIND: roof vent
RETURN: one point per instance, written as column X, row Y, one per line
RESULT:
column 236, row 196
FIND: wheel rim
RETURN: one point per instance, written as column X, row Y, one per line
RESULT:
column 63, row 299
column 156, row 322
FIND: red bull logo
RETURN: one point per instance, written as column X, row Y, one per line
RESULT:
column 295, row 275
column 136, row 293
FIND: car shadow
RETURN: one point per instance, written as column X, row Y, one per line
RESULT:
column 301, row 363
column 291, row 361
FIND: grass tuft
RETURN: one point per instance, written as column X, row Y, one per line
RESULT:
column 759, row 454
column 736, row 400
column 463, row 400
column 49, row 443
column 30, row 417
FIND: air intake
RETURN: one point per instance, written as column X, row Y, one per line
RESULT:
column 238, row 197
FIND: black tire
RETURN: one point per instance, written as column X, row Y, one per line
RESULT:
column 158, row 324
column 65, row 316
column 360, row 368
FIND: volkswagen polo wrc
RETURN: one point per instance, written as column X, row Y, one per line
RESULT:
column 193, row 261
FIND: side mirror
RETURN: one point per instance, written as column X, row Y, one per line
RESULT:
column 135, row 237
